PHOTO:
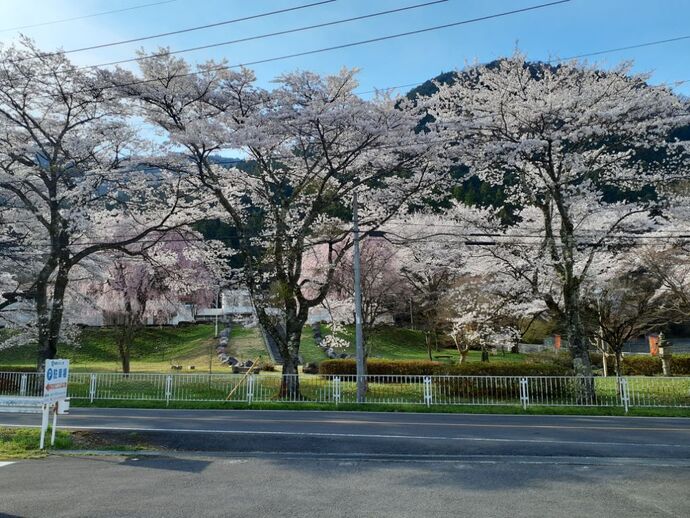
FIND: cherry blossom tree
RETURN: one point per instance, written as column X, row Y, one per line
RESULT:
column 381, row 284
column 559, row 139
column 68, row 176
column 624, row 308
column 130, row 291
column 310, row 143
column 431, row 257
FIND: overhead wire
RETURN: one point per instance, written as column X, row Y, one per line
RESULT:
column 618, row 49
column 265, row 35
column 179, row 31
column 436, row 28
column 83, row 17
column 220, row 68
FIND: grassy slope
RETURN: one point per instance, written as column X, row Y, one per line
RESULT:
column 397, row 344
column 155, row 349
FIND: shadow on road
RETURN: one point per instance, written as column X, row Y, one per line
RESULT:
column 166, row 463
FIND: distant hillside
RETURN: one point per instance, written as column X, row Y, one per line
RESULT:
column 473, row 191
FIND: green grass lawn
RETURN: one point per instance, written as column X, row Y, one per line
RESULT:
column 395, row 343
column 157, row 348
column 22, row 443
column 154, row 349
column 382, row 407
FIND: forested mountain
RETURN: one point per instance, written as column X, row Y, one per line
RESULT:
column 473, row 191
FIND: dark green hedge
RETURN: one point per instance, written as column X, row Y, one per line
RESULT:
column 644, row 365
column 552, row 365
column 422, row 368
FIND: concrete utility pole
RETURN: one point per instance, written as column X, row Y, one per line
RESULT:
column 217, row 310
column 359, row 336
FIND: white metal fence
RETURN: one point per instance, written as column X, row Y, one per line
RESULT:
column 423, row 390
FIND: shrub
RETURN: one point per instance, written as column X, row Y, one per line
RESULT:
column 380, row 367
column 680, row 365
column 638, row 365
column 424, row 368
column 508, row 369
column 645, row 365
column 310, row 368
column 265, row 365
column 8, row 385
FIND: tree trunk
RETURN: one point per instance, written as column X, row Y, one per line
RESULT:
column 49, row 314
column 124, row 341
column 124, row 353
column 462, row 350
column 289, row 348
column 515, row 348
column 463, row 355
column 485, row 354
column 618, row 358
column 578, row 345
column 43, row 319
column 427, row 339
column 289, row 383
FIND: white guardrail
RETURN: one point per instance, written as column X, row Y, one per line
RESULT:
column 34, row 393
column 631, row 391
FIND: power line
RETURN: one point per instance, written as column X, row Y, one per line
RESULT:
column 268, row 35
column 617, row 49
column 103, row 13
column 180, row 31
column 394, row 87
column 336, row 47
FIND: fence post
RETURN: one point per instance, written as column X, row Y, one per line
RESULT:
column 336, row 389
column 168, row 389
column 524, row 393
column 22, row 385
column 250, row 389
column 625, row 394
column 92, row 388
column 427, row 390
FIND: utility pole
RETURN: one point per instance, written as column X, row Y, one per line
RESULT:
column 359, row 336
column 217, row 310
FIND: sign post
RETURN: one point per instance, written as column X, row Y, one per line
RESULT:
column 54, row 392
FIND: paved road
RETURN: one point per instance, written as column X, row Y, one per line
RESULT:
column 389, row 433
column 274, row 463
column 232, row 485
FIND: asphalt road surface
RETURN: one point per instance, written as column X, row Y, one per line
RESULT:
column 275, row 463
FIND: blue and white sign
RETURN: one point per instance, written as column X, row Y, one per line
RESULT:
column 55, row 380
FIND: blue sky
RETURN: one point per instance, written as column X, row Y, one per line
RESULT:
column 577, row 27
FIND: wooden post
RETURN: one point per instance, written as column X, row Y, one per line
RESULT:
column 243, row 378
